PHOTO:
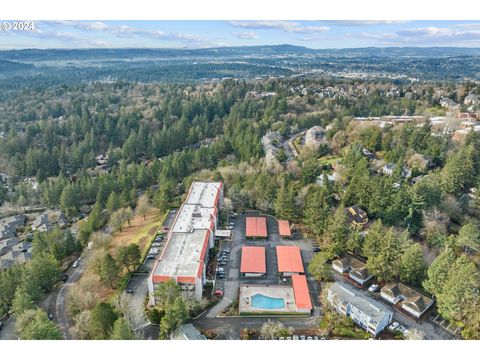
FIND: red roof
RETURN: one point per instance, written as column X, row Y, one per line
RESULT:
column 253, row 260
column 289, row 259
column 300, row 290
column 256, row 227
column 284, row 228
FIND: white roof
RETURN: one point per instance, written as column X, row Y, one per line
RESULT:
column 181, row 256
column 203, row 193
column 190, row 231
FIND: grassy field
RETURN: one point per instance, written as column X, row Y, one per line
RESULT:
column 140, row 231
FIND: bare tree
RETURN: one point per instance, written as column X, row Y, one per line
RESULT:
column 134, row 315
column 143, row 205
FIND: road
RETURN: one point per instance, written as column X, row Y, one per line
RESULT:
column 56, row 303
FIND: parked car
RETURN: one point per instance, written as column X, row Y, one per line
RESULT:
column 316, row 249
column 75, row 264
column 222, row 263
column 373, row 287
column 218, row 292
column 150, row 257
column 393, row 326
column 405, row 331
column 226, row 251
column 64, row 278
column 302, row 337
column 129, row 291
column 1, row 325
column 401, row 329
column 281, row 338
column 295, row 337
column 220, row 269
column 231, row 224
column 221, row 276
column 50, row 316
column 309, row 338
column 229, row 227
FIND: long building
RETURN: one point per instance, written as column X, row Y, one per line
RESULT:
column 185, row 255
column 367, row 313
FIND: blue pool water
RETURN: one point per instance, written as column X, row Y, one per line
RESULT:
column 265, row 302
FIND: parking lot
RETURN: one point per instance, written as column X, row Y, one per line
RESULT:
column 231, row 270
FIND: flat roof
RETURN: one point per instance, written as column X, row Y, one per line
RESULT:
column 189, row 236
column 256, row 227
column 253, row 260
column 284, row 228
column 183, row 256
column 204, row 193
column 289, row 259
column 301, row 292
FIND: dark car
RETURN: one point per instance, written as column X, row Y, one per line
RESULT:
column 50, row 316
column 129, row 291
column 64, row 278
column 218, row 292
column 316, row 249
column 150, row 257
column 1, row 325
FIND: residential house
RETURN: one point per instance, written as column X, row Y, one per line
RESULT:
column 356, row 216
column 367, row 313
column 354, row 266
column 187, row 332
column 410, row 300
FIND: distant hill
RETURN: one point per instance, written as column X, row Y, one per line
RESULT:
column 11, row 66
column 33, row 55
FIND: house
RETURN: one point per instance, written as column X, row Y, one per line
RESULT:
column 368, row 154
column 356, row 216
column 409, row 299
column 472, row 99
column 330, row 177
column 315, row 136
column 369, row 314
column 48, row 219
column 187, row 332
column 41, row 220
column 356, row 268
column 388, row 169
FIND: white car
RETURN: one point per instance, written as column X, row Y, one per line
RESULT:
column 373, row 287
column 406, row 331
column 401, row 329
column 75, row 264
column 393, row 326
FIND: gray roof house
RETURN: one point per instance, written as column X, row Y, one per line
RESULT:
column 369, row 314
column 355, row 267
column 187, row 332
column 411, row 300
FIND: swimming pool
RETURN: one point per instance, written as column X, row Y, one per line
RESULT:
column 260, row 301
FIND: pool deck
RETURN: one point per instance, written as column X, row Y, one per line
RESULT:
column 273, row 291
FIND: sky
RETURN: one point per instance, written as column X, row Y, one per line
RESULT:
column 202, row 34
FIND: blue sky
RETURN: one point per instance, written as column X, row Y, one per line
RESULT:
column 195, row 34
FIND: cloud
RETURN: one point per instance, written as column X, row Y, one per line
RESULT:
column 286, row 26
column 246, row 35
column 427, row 36
column 365, row 22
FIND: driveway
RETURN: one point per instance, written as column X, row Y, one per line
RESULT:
column 432, row 331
